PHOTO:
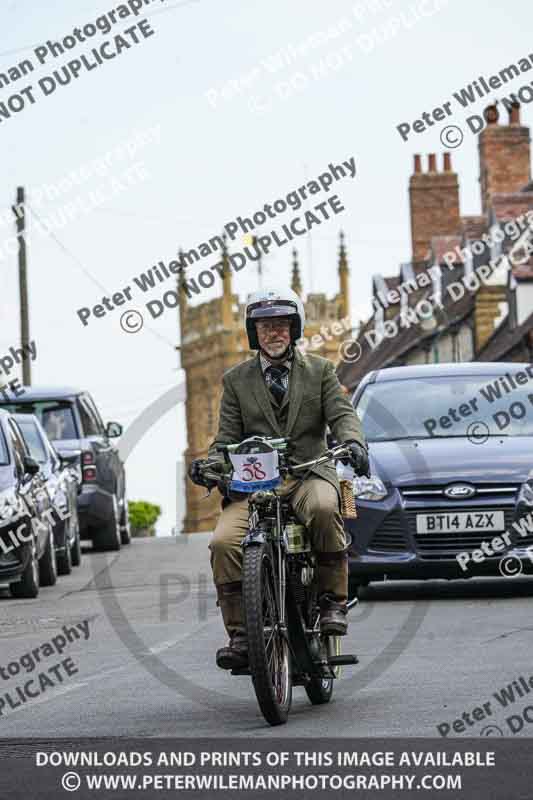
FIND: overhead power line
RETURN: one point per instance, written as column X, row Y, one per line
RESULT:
column 86, row 272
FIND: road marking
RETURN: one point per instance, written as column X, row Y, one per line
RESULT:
column 44, row 699
column 158, row 648
column 67, row 689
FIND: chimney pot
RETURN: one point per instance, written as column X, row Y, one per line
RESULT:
column 447, row 162
column 418, row 164
column 514, row 114
column 432, row 162
column 491, row 114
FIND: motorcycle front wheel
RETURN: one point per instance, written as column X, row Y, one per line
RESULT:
column 268, row 649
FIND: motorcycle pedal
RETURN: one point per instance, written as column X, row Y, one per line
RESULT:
column 346, row 659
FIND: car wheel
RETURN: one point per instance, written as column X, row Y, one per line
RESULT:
column 125, row 528
column 64, row 560
column 355, row 585
column 76, row 546
column 108, row 537
column 48, row 562
column 28, row 586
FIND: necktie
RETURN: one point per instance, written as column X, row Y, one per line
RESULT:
column 275, row 381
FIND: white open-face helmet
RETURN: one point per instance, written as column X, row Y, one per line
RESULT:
column 274, row 303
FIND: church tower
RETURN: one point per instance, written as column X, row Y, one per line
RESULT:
column 211, row 343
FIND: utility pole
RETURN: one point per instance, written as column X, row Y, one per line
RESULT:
column 20, row 219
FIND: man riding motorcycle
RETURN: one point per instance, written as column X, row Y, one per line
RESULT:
column 282, row 392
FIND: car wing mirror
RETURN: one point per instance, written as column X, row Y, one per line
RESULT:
column 69, row 458
column 113, row 429
column 31, row 466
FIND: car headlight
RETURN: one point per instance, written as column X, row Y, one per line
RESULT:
column 525, row 495
column 371, row 488
column 10, row 507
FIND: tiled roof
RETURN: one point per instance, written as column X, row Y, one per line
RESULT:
column 392, row 283
column 503, row 340
column 392, row 350
column 524, row 272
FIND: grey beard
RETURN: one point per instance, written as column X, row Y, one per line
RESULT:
column 287, row 353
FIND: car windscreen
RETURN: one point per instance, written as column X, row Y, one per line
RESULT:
column 33, row 439
column 448, row 406
column 56, row 416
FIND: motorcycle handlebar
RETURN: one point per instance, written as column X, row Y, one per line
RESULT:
column 330, row 455
column 335, row 454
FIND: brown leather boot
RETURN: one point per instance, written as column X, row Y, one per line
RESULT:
column 235, row 655
column 333, row 616
column 333, row 593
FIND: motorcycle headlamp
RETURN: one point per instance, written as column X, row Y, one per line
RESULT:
column 371, row 488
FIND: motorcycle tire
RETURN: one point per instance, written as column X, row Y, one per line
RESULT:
column 268, row 652
column 320, row 690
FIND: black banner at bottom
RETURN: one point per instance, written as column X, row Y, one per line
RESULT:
column 491, row 768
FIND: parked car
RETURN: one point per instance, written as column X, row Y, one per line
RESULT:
column 27, row 553
column 72, row 422
column 61, row 480
column 451, row 459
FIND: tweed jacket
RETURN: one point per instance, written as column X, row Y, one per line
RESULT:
column 315, row 400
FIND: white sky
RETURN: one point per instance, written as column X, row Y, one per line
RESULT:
column 213, row 163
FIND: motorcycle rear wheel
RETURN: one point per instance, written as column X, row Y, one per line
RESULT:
column 268, row 649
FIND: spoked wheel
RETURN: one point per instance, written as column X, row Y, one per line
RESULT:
column 320, row 690
column 268, row 649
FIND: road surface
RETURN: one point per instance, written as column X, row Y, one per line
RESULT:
column 429, row 652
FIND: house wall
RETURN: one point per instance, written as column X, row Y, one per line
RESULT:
column 524, row 300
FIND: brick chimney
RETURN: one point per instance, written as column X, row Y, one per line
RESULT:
column 504, row 161
column 434, row 203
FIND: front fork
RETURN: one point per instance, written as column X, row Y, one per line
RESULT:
column 282, row 569
column 278, row 543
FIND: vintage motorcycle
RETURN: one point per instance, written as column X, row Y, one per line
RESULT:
column 281, row 610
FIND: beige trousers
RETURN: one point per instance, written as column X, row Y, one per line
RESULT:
column 315, row 503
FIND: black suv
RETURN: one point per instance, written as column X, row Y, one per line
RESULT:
column 72, row 422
